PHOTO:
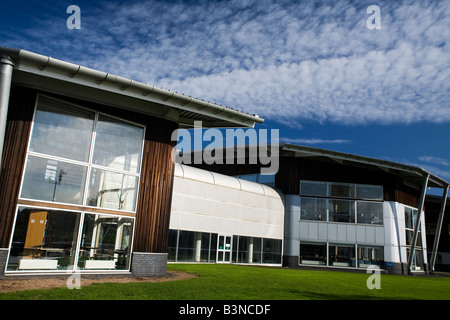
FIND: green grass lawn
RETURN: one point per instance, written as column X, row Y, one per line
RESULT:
column 233, row 282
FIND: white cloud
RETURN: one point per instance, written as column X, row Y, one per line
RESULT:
column 279, row 59
column 434, row 160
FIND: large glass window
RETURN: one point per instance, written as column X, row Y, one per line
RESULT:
column 47, row 240
column 313, row 209
column 368, row 256
column 313, row 254
column 244, row 249
column 43, row 240
column 313, row 188
column 62, row 130
column 53, row 180
column 341, row 255
column 105, row 242
column 190, row 246
column 85, row 159
column 341, row 202
column 411, row 216
column 369, row 192
column 341, row 190
column 112, row 190
column 272, row 251
column 410, row 222
column 62, row 162
column 117, row 145
column 369, row 212
column 342, row 211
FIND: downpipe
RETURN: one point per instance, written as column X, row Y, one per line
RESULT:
column 6, row 70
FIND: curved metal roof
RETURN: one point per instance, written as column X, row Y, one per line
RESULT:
column 413, row 174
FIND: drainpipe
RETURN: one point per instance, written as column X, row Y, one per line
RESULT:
column 6, row 70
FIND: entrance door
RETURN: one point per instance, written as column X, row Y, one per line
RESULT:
column 224, row 249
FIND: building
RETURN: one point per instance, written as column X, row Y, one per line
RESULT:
column 222, row 219
column 348, row 211
column 88, row 184
column 86, row 167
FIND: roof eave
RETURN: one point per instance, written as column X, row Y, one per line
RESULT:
column 33, row 68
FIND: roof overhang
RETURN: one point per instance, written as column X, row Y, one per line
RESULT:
column 75, row 81
column 414, row 175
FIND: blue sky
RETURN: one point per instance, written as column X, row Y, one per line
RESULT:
column 312, row 69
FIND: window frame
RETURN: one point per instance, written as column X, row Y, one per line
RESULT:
column 77, row 244
column 351, row 199
column 328, row 263
column 88, row 165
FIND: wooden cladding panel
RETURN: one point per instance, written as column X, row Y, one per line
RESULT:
column 20, row 116
column 155, row 193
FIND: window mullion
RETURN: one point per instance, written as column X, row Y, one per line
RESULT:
column 78, row 244
column 91, row 153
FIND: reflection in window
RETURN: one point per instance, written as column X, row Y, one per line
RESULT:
column 369, row 192
column 112, row 190
column 313, row 209
column 342, row 190
column 186, row 246
column 43, row 240
column 62, row 163
column 341, row 255
column 342, row 211
column 370, row 212
column 313, row 188
column 271, row 251
column 368, row 256
column 61, row 130
column 313, row 254
column 417, row 260
column 117, row 145
column 105, row 242
column 55, row 181
column 172, row 245
column 190, row 246
column 410, row 222
column 341, row 202
column 257, row 250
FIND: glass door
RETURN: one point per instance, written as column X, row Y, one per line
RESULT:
column 224, row 249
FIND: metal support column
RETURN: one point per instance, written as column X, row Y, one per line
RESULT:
column 6, row 70
column 417, row 224
column 438, row 228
